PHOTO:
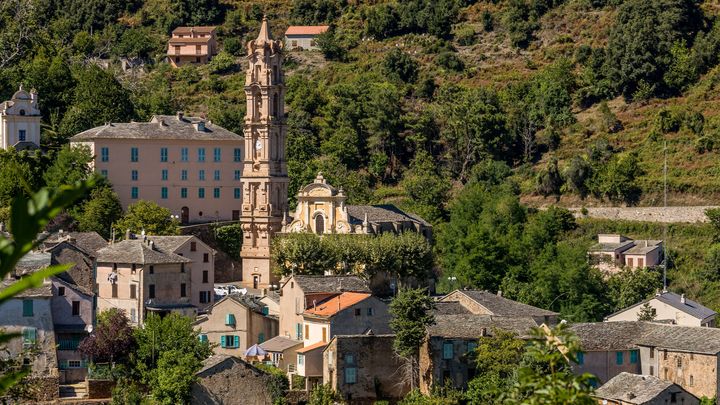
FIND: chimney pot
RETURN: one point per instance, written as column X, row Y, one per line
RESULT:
column 180, row 115
column 682, row 298
column 128, row 235
column 499, row 293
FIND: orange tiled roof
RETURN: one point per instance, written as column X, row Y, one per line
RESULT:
column 311, row 347
column 333, row 305
column 306, row 29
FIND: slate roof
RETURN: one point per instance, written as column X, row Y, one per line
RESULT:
column 249, row 301
column 200, row 30
column 681, row 338
column 609, row 336
column 90, row 242
column 634, row 388
column 318, row 284
column 450, row 308
column 381, row 213
column 137, row 251
column 690, row 307
column 474, row 326
column 159, row 127
column 502, row 306
column 306, row 29
column 44, row 291
column 279, row 344
column 216, row 359
column 188, row 40
column 333, row 305
column 32, row 262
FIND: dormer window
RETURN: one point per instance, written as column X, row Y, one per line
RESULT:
column 22, row 112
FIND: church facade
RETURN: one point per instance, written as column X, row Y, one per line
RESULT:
column 20, row 121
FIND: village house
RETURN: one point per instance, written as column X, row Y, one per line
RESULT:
column 364, row 368
column 487, row 303
column 445, row 355
column 282, row 352
column 158, row 274
column 614, row 252
column 186, row 164
column 669, row 307
column 633, row 389
column 195, row 45
column 298, row 292
column 20, row 121
column 225, row 379
column 303, row 37
column 608, row 348
column 235, row 323
column 73, row 313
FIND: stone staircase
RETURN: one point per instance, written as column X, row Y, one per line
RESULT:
column 78, row 390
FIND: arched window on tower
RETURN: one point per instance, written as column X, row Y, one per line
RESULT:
column 276, row 75
column 319, row 224
column 276, row 105
column 258, row 105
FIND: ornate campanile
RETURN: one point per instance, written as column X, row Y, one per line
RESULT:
column 265, row 179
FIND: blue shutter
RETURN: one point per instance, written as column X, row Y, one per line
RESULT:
column 222, row 341
column 447, row 351
column 236, row 341
column 265, row 310
column 619, row 358
column 581, row 358
column 229, row 319
column 27, row 307
column 261, row 337
column 633, row 357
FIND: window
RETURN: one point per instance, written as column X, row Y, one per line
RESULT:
column 230, row 341
column 133, row 291
column 164, row 174
column 152, row 269
column 630, row 262
column 105, row 154
column 350, row 375
column 201, row 154
column 61, row 291
column 216, row 175
column 229, row 319
column 237, row 155
column 358, row 311
column 183, row 290
column 183, row 192
column 151, row 293
column 205, row 276
column 183, row 175
column 447, row 350
column 114, row 292
column 298, row 331
column 163, row 155
column 203, row 338
column 201, row 192
column 134, row 193
column 619, row 358
column 133, row 154
column 652, row 370
column 206, row 257
column 307, row 331
column 633, row 357
column 164, row 193
column 261, row 337
column 236, row 193
column 664, row 354
column 104, row 172
column 294, row 43
column 193, row 246
column 76, row 308
column 216, row 192
column 237, row 175
column 692, row 381
column 201, row 175
column 182, row 267
column 134, row 175
column 301, row 359
column 74, row 363
column 29, row 336
column 370, row 311
column 581, row 358
column 27, row 307
column 184, row 154
column 203, row 297
column 679, row 362
column 216, row 154
column 21, row 135
column 652, row 352
column 471, row 346
column 324, row 334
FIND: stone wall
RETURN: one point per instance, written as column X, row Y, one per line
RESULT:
column 696, row 373
column 648, row 214
column 232, row 382
column 99, row 389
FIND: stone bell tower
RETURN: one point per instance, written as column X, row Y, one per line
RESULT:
column 265, row 179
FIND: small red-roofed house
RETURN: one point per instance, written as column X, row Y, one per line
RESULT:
column 302, row 37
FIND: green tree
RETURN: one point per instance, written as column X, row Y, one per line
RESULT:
column 426, row 188
column 71, row 164
column 713, row 215
column 400, row 65
column 711, row 269
column 549, row 180
column 229, row 239
column 497, row 360
column 100, row 212
column 175, row 376
column 647, row 313
column 331, row 46
column 323, row 394
column 411, row 312
column 617, row 181
column 149, row 217
column 631, row 286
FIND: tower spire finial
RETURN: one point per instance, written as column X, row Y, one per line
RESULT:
column 264, row 34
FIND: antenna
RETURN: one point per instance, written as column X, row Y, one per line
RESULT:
column 665, row 261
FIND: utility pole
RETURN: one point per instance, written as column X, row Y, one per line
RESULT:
column 665, row 258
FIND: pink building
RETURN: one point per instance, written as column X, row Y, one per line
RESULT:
column 191, row 45
column 185, row 164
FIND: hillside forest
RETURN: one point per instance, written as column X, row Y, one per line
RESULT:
column 470, row 113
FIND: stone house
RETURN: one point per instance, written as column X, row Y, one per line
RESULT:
column 225, row 379
column 235, row 323
column 364, row 368
column 444, row 355
column 194, row 45
column 158, row 274
column 73, row 312
column 298, row 292
column 80, row 250
column 633, row 389
column 302, row 37
column 614, row 251
column 271, row 299
column 487, row 303
column 608, row 348
column 282, row 351
column 20, row 121
column 669, row 307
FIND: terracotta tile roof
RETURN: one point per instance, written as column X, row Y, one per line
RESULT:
column 312, row 347
column 306, row 29
column 333, row 305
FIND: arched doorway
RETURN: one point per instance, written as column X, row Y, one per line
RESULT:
column 319, row 224
column 184, row 215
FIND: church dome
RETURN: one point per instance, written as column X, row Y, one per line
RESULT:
column 21, row 94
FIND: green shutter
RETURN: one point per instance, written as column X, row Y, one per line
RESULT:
column 619, row 358
column 236, row 341
column 27, row 307
column 222, row 341
column 229, row 319
column 63, row 364
column 261, row 337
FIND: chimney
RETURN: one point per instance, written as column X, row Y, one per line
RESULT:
column 179, row 115
column 152, row 245
column 682, row 298
column 60, row 233
column 499, row 293
column 128, row 235
column 483, row 332
column 314, row 305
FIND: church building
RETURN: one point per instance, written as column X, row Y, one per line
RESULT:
column 20, row 121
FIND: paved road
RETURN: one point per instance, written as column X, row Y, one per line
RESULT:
column 649, row 214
